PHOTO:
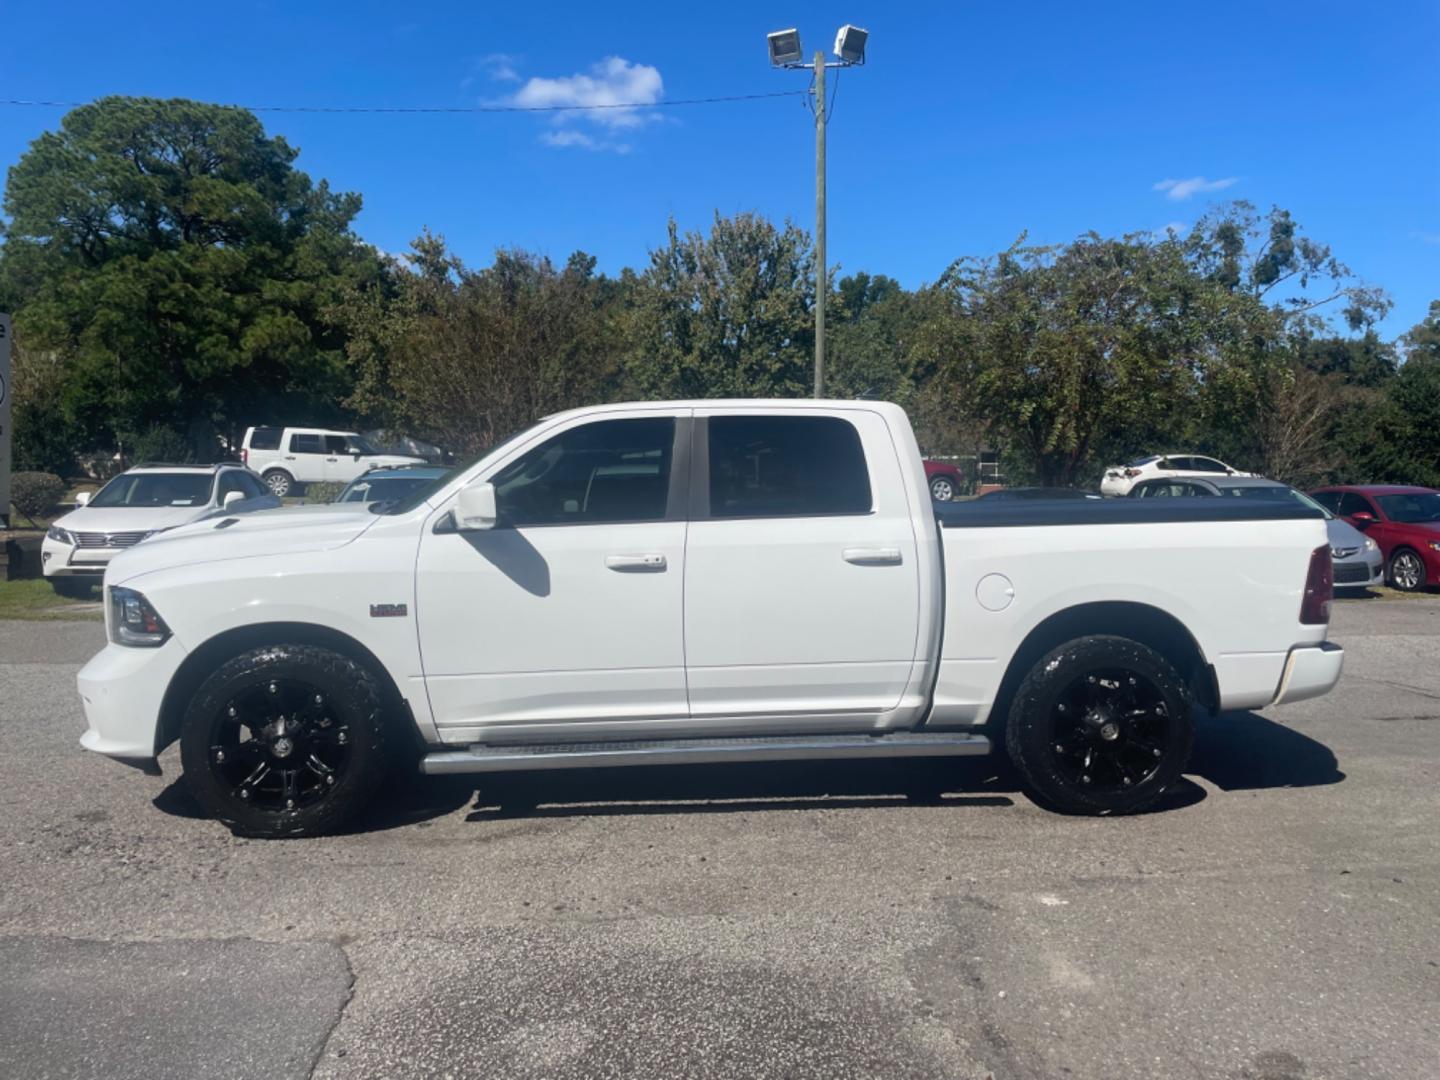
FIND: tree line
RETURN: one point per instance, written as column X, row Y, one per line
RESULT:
column 174, row 278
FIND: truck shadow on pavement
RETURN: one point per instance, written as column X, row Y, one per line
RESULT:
column 1233, row 752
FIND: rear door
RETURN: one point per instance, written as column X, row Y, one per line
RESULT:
column 305, row 459
column 801, row 580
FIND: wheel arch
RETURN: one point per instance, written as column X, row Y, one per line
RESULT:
column 203, row 661
column 1144, row 623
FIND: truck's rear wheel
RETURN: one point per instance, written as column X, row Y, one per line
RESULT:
column 1100, row 725
column 285, row 740
column 280, row 483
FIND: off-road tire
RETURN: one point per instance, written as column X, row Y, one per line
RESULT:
column 352, row 697
column 1046, row 704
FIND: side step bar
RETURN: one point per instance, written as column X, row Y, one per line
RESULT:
column 483, row 759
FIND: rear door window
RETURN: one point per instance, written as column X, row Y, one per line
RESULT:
column 786, row 466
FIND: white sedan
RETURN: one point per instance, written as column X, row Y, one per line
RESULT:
column 139, row 503
column 1119, row 479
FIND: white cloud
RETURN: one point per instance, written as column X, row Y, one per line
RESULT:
column 613, row 82
column 1179, row 228
column 563, row 137
column 502, row 67
column 1427, row 237
column 1180, row 190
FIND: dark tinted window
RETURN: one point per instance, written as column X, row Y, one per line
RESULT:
column 232, row 480
column 306, row 444
column 784, row 466
column 1351, row 503
column 611, row 470
column 337, row 444
column 1421, row 506
column 265, row 438
column 1205, row 464
column 1328, row 499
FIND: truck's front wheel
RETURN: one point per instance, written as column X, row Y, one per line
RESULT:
column 285, row 740
column 1100, row 725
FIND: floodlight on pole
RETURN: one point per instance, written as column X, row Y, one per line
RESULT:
column 784, row 47
column 785, row 52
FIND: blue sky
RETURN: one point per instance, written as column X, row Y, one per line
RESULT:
column 970, row 124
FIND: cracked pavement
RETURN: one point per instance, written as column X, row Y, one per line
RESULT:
column 1280, row 919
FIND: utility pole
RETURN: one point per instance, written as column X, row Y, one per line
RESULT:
column 785, row 52
column 822, row 277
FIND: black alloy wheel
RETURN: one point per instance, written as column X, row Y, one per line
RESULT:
column 285, row 740
column 1099, row 725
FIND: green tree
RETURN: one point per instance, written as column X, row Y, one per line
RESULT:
column 170, row 252
column 725, row 315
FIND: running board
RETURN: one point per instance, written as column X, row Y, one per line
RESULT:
column 482, row 759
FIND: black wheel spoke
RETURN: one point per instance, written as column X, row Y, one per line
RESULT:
column 278, row 746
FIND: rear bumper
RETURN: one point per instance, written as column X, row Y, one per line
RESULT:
column 122, row 689
column 1310, row 670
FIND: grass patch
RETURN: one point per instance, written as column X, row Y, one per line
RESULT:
column 35, row 599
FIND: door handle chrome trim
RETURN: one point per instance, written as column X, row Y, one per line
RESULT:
column 636, row 564
column 884, row 556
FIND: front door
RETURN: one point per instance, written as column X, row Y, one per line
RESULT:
column 801, row 583
column 565, row 620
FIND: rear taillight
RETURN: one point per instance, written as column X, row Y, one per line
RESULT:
column 1319, row 588
column 244, row 455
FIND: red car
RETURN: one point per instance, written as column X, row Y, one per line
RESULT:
column 944, row 479
column 1404, row 521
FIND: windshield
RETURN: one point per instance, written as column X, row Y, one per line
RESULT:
column 409, row 502
column 361, row 445
column 383, row 488
column 1415, row 509
column 154, row 489
column 1143, row 461
column 1277, row 493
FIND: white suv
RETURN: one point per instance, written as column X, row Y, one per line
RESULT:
column 1119, row 479
column 139, row 503
column 290, row 457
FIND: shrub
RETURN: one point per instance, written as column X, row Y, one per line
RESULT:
column 34, row 494
column 323, row 493
column 159, row 443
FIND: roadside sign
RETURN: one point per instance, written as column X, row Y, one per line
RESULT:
column 4, row 421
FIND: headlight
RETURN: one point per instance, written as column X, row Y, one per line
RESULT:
column 1370, row 545
column 132, row 621
column 59, row 535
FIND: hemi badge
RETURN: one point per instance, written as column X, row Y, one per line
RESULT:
column 388, row 611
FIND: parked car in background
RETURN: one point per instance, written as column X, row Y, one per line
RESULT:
column 1357, row 558
column 1119, row 479
column 138, row 503
column 945, row 480
column 1403, row 521
column 290, row 457
column 394, row 442
column 1038, row 493
column 386, row 483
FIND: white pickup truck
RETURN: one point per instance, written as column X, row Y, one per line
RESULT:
column 699, row 582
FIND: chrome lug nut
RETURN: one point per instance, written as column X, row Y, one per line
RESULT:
column 289, row 804
column 274, row 689
column 319, row 700
column 1085, row 779
column 342, row 738
column 244, row 794
column 219, row 755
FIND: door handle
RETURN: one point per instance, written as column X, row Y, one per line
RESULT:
column 636, row 564
column 880, row 556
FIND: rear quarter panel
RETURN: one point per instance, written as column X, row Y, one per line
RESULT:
column 1237, row 587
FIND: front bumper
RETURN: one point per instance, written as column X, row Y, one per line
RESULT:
column 1359, row 572
column 122, row 689
column 66, row 560
column 1310, row 670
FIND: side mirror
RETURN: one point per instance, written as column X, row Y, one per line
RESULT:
column 233, row 497
column 1363, row 518
column 82, row 498
column 475, row 508
column 356, row 454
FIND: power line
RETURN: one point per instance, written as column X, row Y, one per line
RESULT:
column 450, row 108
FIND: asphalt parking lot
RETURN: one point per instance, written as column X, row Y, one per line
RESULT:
column 1279, row 920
